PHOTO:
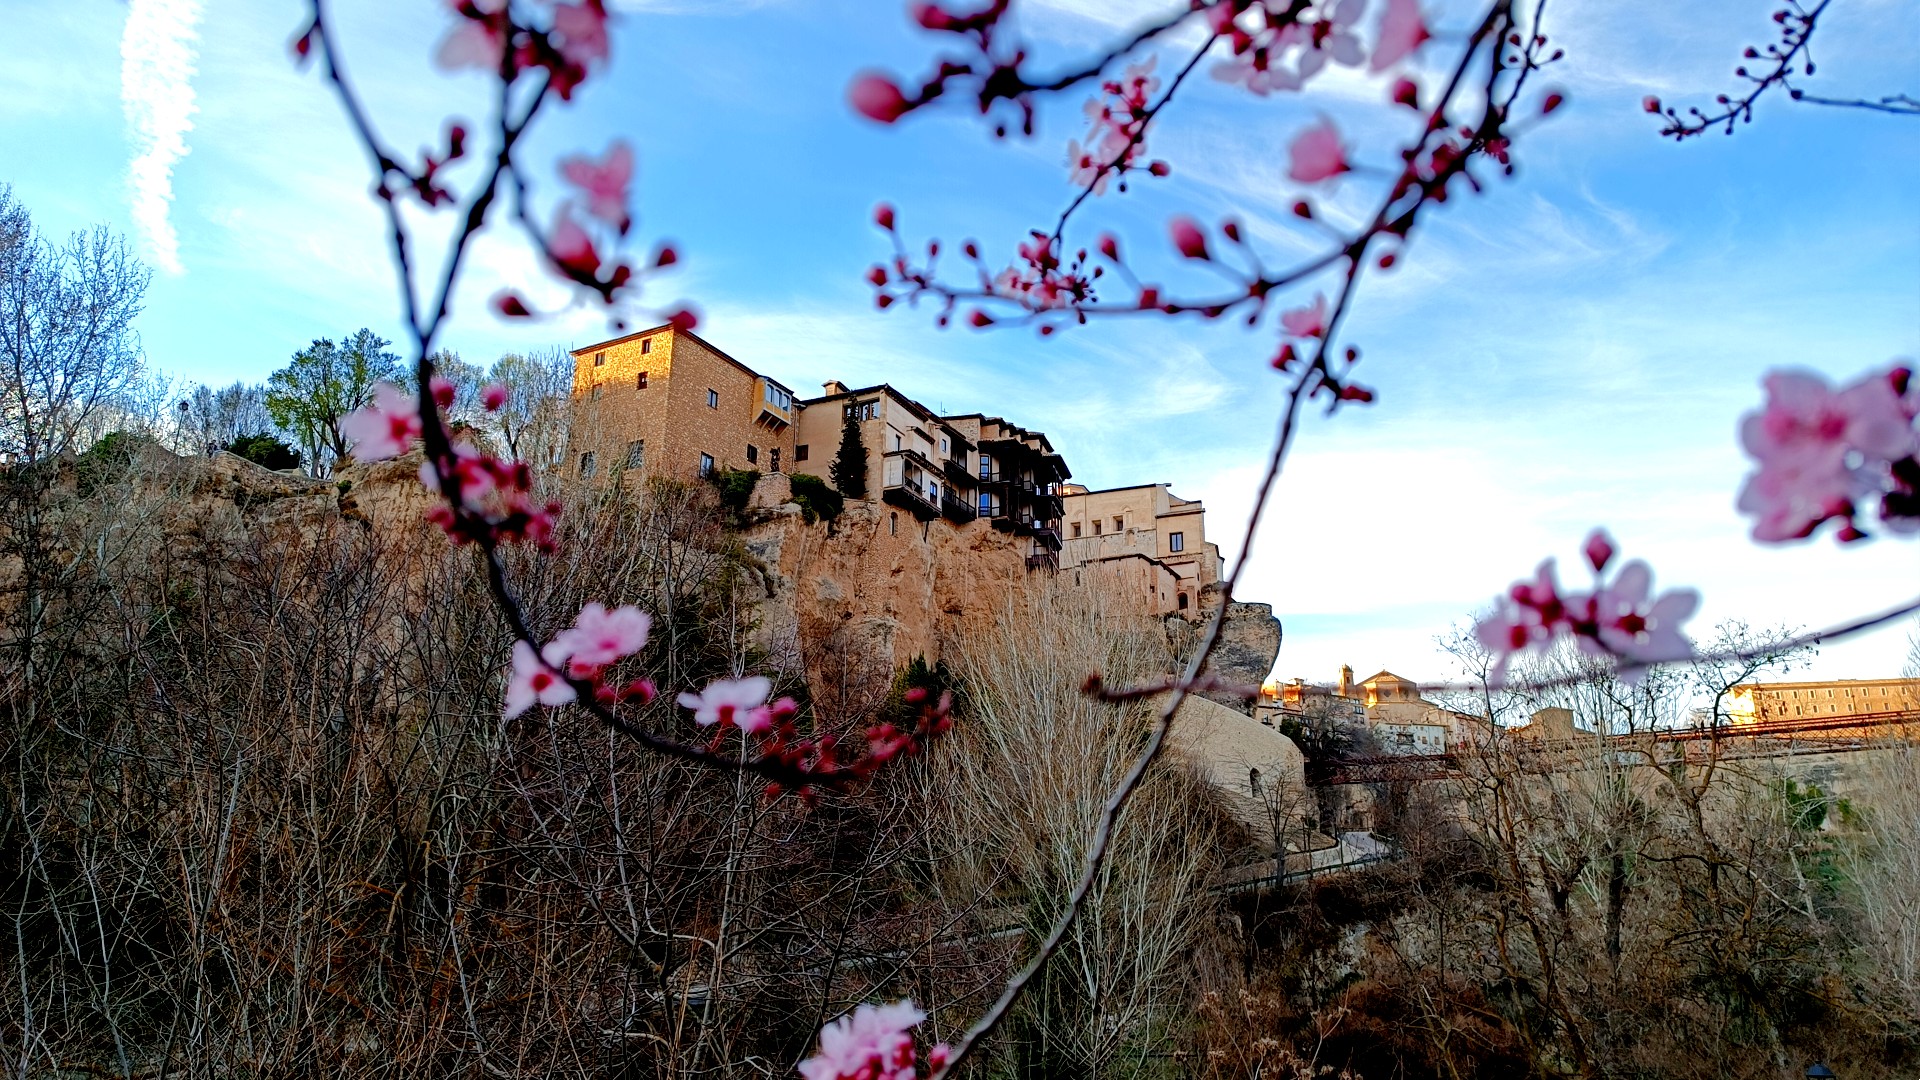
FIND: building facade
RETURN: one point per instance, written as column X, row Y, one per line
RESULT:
column 663, row 402
column 1387, row 706
column 1145, row 537
column 1879, row 699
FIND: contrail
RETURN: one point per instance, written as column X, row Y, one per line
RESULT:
column 156, row 92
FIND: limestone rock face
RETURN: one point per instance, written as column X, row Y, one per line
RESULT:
column 1249, row 644
column 877, row 581
column 1259, row 773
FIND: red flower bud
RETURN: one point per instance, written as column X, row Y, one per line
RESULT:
column 883, row 216
column 1187, row 237
column 1553, row 102
column 878, row 98
column 666, row 256
column 683, row 319
column 511, row 306
column 1650, row 103
column 1110, row 247
column 1406, row 92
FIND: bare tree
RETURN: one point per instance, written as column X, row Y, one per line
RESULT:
column 69, row 356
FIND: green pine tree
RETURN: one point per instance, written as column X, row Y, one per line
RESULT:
column 850, row 465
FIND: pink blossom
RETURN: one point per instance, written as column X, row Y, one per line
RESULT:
column 1650, row 103
column 493, row 397
column 1820, row 451
column 727, row 701
column 1309, row 321
column 571, row 247
column 385, row 427
column 604, row 182
column 878, row 98
column 870, row 1044
column 1627, row 625
column 599, row 637
column 1188, row 237
column 1316, row 154
column 582, row 29
column 534, row 682
column 1402, row 30
column 474, row 42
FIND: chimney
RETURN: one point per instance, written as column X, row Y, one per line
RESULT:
column 1346, row 680
column 834, row 386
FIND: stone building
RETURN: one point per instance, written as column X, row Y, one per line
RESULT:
column 1390, row 708
column 1882, row 699
column 1141, row 540
column 665, row 402
column 916, row 461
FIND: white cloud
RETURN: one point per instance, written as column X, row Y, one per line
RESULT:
column 156, row 91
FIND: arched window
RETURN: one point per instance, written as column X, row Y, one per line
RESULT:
column 1253, row 782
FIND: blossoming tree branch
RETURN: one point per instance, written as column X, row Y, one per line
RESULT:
column 1823, row 455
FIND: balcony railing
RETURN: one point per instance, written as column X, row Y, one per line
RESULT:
column 1045, row 560
column 958, row 511
column 1047, row 537
column 959, row 474
column 911, row 499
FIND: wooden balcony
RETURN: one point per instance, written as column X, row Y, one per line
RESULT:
column 958, row 511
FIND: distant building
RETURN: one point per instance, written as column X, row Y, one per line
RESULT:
column 1760, row 703
column 1388, row 706
column 1141, row 540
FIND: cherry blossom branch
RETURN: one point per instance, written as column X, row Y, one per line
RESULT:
column 1789, row 57
column 487, row 502
column 1313, row 376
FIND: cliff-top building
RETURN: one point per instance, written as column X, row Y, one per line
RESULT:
column 664, row 402
column 1141, row 540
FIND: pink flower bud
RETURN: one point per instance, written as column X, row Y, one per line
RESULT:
column 666, row 256
column 442, row 391
column 1650, row 103
column 684, row 319
column 1187, row 237
column 1110, row 247
column 1553, row 102
column 1406, row 92
column 1599, row 550
column 511, row 306
column 493, row 397
column 883, row 216
column 878, row 98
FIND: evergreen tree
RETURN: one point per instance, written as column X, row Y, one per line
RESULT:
column 850, row 465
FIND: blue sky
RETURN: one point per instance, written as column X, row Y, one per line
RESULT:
column 1573, row 348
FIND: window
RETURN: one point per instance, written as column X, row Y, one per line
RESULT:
column 986, row 467
column 1118, row 525
column 640, row 381
column 586, row 463
column 594, row 394
column 753, row 454
column 896, row 440
column 933, row 492
column 778, row 398
column 863, row 410
column 943, row 446
column 713, row 399
column 773, row 459
column 893, row 524
column 1183, row 601
column 1076, row 530
column 599, row 359
column 706, row 464
column 1176, row 541
column 646, row 345
column 1096, row 526
column 989, row 505
column 637, row 454
column 800, row 452
column 1253, row 782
